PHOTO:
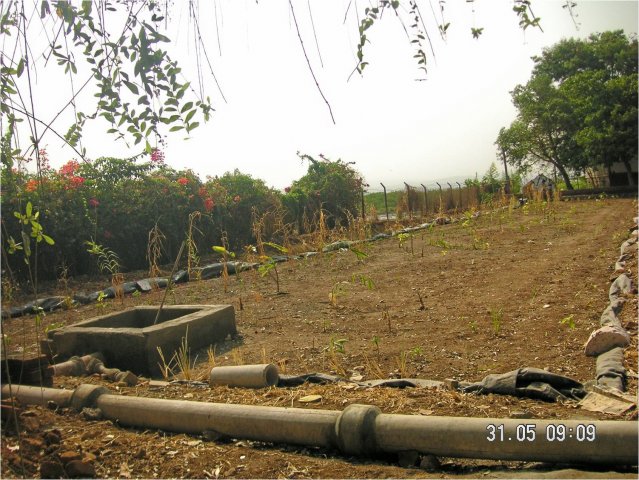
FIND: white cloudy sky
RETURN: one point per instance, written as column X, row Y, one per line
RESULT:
column 396, row 129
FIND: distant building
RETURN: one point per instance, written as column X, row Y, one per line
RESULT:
column 540, row 185
column 618, row 174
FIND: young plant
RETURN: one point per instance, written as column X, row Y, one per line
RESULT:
column 182, row 358
column 269, row 265
column 166, row 369
column 569, row 321
column 225, row 256
column 210, row 354
column 402, row 363
column 337, row 290
column 193, row 260
column 375, row 341
column 154, row 248
column 108, row 261
column 496, row 317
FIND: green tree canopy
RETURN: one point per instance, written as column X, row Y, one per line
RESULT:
column 331, row 186
column 579, row 108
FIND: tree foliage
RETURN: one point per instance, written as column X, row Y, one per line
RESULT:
column 579, row 108
column 333, row 187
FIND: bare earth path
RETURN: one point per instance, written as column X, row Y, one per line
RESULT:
column 511, row 289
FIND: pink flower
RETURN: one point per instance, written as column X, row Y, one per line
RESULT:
column 183, row 180
column 94, row 202
column 157, row 156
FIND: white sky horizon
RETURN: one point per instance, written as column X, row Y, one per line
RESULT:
column 394, row 128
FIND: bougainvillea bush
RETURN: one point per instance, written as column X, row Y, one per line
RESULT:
column 116, row 202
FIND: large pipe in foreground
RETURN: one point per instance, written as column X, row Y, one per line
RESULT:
column 364, row 430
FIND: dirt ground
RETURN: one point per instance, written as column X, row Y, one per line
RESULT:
column 510, row 289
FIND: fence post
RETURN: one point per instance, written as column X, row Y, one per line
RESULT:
column 385, row 200
column 461, row 204
column 425, row 198
column 363, row 206
column 452, row 199
column 408, row 202
column 440, row 196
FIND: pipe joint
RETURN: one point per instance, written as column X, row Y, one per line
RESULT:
column 355, row 430
column 86, row 396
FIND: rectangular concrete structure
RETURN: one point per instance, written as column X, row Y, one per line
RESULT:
column 129, row 340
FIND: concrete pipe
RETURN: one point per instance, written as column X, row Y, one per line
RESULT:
column 28, row 395
column 247, row 376
column 536, row 440
column 364, row 430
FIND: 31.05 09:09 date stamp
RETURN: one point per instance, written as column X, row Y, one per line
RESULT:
column 527, row 432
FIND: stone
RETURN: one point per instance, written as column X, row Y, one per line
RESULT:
column 68, row 456
column 521, row 414
column 407, row 459
column 430, row 463
column 53, row 437
column 51, row 469
column 92, row 413
column 30, row 424
column 605, row 339
column 80, row 469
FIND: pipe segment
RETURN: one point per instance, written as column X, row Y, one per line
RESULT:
column 29, row 395
column 613, row 443
column 363, row 429
column 247, row 376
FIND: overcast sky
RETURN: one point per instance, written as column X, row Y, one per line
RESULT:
column 395, row 128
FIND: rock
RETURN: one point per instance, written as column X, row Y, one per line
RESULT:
column 30, row 424
column 604, row 339
column 51, row 469
column 80, row 469
column 92, row 413
column 68, row 456
column 89, row 457
column 52, row 437
column 408, row 459
column 310, row 399
column 430, row 463
column 521, row 414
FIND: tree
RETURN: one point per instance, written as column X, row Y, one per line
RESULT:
column 579, row 108
column 333, row 187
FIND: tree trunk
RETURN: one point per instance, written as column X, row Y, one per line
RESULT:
column 565, row 176
column 632, row 180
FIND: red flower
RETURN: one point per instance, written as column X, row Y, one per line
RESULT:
column 31, row 186
column 236, row 198
column 94, row 202
column 183, row 180
column 74, row 182
column 69, row 168
column 287, row 189
column 209, row 204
